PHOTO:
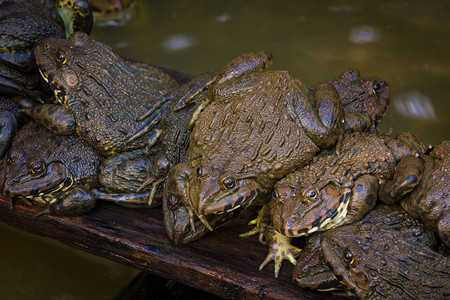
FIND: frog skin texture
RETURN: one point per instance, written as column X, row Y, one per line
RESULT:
column 104, row 94
column 336, row 188
column 312, row 272
column 374, row 262
column 420, row 184
column 57, row 177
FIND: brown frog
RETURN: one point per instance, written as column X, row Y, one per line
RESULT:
column 258, row 127
column 101, row 93
column 420, row 183
column 22, row 24
column 362, row 97
column 336, row 188
column 58, row 176
column 374, row 262
column 311, row 270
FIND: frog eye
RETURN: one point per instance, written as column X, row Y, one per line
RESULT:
column 198, row 171
column 229, row 183
column 311, row 195
column 61, row 57
column 376, row 86
column 36, row 167
column 275, row 195
column 348, row 257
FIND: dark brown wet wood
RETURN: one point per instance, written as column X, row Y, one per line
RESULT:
column 220, row 263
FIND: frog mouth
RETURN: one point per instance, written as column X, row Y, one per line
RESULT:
column 50, row 195
column 60, row 94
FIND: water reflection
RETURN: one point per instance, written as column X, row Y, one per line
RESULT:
column 364, row 34
column 414, row 104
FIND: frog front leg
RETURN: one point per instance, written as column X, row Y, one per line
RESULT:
column 77, row 201
column 52, row 117
column 407, row 176
column 280, row 248
column 364, row 198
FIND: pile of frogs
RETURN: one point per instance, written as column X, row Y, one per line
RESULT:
column 81, row 124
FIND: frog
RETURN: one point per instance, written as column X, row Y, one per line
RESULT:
column 376, row 262
column 57, row 177
column 335, row 189
column 22, row 24
column 312, row 272
column 258, row 127
column 420, row 185
column 105, row 95
column 10, row 121
column 363, row 97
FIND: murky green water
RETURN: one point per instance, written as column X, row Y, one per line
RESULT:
column 406, row 43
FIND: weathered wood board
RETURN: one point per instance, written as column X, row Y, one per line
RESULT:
column 220, row 263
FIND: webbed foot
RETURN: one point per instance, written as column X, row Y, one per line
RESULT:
column 280, row 248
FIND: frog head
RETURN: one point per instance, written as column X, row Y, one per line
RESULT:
column 34, row 178
column 72, row 65
column 302, row 210
column 217, row 190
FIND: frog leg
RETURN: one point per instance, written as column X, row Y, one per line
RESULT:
column 364, row 198
column 146, row 127
column 280, row 248
column 127, row 199
column 358, row 122
column 407, row 176
column 322, row 116
column 260, row 223
column 77, row 201
column 191, row 91
column 53, row 117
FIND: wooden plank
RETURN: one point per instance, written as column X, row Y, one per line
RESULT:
column 220, row 263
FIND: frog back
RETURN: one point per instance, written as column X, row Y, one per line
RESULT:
column 250, row 128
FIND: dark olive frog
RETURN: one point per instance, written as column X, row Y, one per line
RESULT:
column 104, row 95
column 22, row 24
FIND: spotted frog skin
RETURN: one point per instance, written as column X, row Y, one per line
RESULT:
column 105, row 96
column 258, row 127
column 420, row 183
column 311, row 270
column 22, row 24
column 58, row 176
column 374, row 262
column 336, row 188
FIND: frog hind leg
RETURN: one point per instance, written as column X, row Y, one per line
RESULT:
column 280, row 248
column 52, row 117
column 132, row 200
column 408, row 174
column 322, row 117
column 75, row 202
